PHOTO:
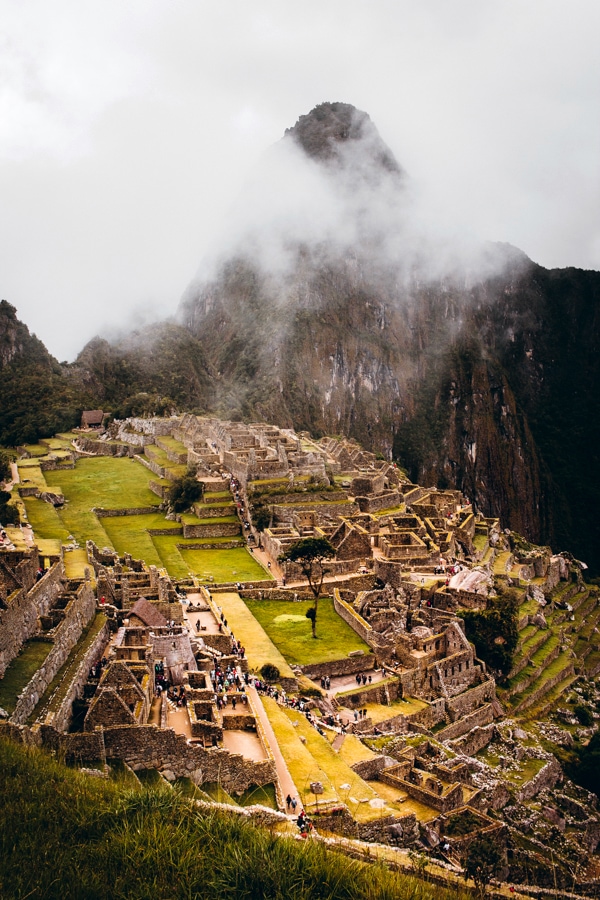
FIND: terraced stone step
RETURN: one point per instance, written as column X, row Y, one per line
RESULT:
column 548, row 651
column 551, row 699
column 531, row 646
column 560, row 668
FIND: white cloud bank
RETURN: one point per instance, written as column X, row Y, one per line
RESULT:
column 127, row 130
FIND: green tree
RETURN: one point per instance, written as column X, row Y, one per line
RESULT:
column 311, row 555
column 483, row 859
column 185, row 491
column 494, row 630
column 5, row 460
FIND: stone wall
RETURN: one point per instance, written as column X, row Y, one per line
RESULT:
column 474, row 741
column 19, row 621
column 479, row 717
column 62, row 716
column 103, row 448
column 452, row 799
column 383, row 692
column 350, row 665
column 147, row 746
column 218, row 529
column 546, row 778
column 351, row 617
column 375, row 503
column 127, row 511
column 465, row 703
column 213, row 511
column 78, row 613
column 369, row 769
column 323, row 511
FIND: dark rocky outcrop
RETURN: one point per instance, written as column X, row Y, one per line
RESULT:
column 479, row 374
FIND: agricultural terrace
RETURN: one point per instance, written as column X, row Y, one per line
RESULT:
column 288, row 628
column 121, row 483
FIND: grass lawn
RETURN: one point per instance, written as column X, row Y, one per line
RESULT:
column 31, row 475
column 171, row 558
column 357, row 794
column 259, row 647
column 111, row 482
column 44, row 519
column 290, row 630
column 20, row 672
column 224, row 565
column 127, row 536
column 36, row 449
column 76, row 562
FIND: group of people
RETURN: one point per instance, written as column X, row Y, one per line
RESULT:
column 96, row 670
column 175, row 696
column 225, row 679
column 363, row 679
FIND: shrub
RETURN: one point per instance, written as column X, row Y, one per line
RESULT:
column 583, row 714
column 269, row 672
column 185, row 491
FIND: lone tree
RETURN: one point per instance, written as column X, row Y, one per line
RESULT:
column 185, row 491
column 310, row 554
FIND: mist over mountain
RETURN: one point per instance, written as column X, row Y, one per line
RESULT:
column 335, row 307
column 331, row 303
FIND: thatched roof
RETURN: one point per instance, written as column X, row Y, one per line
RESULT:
column 147, row 613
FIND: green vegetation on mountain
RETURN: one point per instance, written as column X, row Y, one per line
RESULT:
column 494, row 630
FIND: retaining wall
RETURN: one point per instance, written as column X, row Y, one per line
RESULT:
column 78, row 613
column 19, row 621
column 61, row 717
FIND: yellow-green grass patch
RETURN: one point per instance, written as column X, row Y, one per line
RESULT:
column 286, row 624
column 126, row 538
column 171, row 558
column 20, row 672
column 105, row 481
column 84, row 526
column 224, row 565
column 30, row 474
column 359, row 796
column 259, row 647
column 44, row 519
column 401, row 800
column 76, row 562
column 353, row 750
column 36, row 449
column 172, row 443
column 48, row 546
column 302, row 766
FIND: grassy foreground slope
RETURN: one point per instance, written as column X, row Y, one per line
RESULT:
column 66, row 835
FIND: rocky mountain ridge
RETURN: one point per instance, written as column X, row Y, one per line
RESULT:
column 478, row 372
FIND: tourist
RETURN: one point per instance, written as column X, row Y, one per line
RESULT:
column 288, row 801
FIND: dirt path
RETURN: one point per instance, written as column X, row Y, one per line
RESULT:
column 286, row 784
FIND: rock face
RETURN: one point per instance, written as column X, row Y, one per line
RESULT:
column 478, row 372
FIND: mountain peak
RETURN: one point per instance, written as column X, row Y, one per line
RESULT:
column 331, row 130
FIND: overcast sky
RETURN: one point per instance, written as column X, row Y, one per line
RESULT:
column 128, row 127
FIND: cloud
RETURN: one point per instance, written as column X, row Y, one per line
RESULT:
column 127, row 131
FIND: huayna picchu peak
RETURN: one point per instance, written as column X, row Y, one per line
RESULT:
column 330, row 309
